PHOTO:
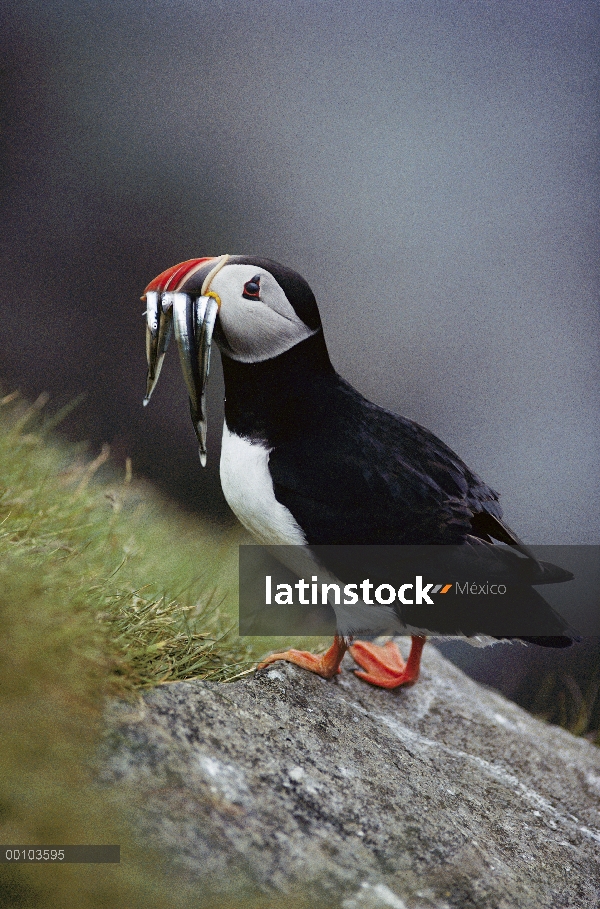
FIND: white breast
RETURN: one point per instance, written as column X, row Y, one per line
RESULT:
column 248, row 489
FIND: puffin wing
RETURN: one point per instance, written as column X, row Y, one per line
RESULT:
column 371, row 477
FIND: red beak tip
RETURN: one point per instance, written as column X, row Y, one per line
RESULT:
column 173, row 277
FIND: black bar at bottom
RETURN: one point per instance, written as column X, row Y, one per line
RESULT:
column 59, row 855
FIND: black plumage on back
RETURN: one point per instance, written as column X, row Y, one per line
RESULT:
column 353, row 473
column 348, row 470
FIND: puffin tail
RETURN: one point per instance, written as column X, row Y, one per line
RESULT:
column 556, row 641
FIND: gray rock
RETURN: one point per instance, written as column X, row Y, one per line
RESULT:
column 441, row 795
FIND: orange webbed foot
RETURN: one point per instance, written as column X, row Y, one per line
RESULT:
column 326, row 665
column 385, row 666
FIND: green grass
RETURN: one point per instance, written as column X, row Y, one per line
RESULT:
column 105, row 589
column 161, row 585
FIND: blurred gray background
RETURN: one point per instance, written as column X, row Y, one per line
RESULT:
column 431, row 168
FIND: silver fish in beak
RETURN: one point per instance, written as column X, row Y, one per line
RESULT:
column 194, row 322
column 159, row 328
column 207, row 310
column 192, row 318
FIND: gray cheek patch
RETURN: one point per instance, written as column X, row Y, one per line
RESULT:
column 255, row 332
column 273, row 296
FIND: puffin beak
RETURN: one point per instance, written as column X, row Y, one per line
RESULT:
column 193, row 319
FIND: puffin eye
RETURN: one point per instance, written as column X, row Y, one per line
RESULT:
column 252, row 289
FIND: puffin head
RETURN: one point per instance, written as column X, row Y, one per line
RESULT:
column 256, row 308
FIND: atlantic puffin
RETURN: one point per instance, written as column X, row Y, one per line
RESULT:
column 306, row 459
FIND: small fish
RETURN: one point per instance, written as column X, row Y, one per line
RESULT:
column 207, row 310
column 159, row 327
